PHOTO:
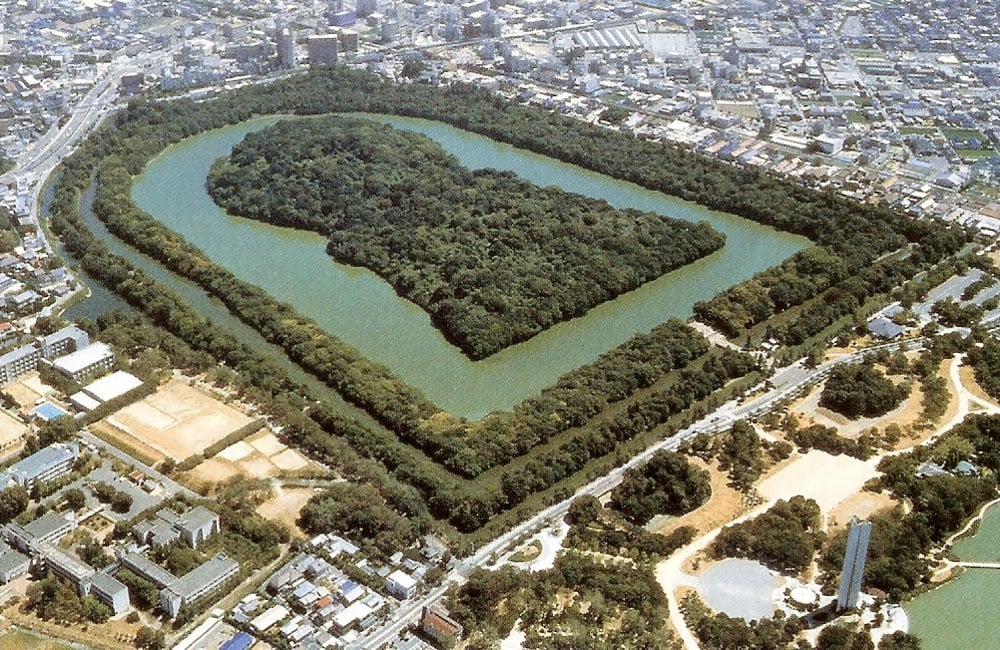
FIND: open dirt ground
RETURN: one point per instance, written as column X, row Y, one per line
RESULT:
column 861, row 505
column 259, row 456
column 12, row 432
column 817, row 475
column 178, row 420
column 285, row 504
column 27, row 390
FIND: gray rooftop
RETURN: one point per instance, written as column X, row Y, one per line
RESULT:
column 20, row 353
column 196, row 518
column 11, row 559
column 148, row 569
column 69, row 564
column 68, row 332
column 196, row 578
column 885, row 328
column 43, row 460
column 45, row 525
column 104, row 583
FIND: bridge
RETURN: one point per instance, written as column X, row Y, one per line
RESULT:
column 979, row 565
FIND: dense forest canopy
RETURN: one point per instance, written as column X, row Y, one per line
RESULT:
column 667, row 484
column 491, row 257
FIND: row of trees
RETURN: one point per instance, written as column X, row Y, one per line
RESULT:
column 493, row 258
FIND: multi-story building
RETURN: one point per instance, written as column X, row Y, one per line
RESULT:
column 194, row 527
column 401, row 585
column 139, row 565
column 111, row 592
column 105, row 588
column 26, row 358
column 47, row 529
column 93, row 358
column 69, row 339
column 43, row 465
column 197, row 583
column 12, row 564
column 19, row 362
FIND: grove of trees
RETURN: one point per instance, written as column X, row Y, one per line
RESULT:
column 860, row 390
column 784, row 538
column 667, row 484
column 491, row 257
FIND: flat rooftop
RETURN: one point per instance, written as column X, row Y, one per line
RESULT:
column 114, row 385
column 83, row 359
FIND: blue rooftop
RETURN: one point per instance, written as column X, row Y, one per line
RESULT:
column 241, row 641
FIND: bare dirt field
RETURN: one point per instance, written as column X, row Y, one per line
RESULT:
column 210, row 472
column 267, row 444
column 27, row 390
column 817, row 475
column 261, row 455
column 236, row 452
column 285, row 504
column 178, row 421
column 289, row 460
column 861, row 505
column 12, row 433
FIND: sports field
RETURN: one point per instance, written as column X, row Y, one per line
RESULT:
column 177, row 420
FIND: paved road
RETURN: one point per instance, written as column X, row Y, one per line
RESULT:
column 169, row 483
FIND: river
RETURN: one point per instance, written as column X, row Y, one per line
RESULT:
column 364, row 311
column 959, row 614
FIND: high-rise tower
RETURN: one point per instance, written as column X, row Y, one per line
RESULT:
column 854, row 564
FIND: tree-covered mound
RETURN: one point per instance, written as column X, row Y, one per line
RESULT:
column 860, row 390
column 491, row 257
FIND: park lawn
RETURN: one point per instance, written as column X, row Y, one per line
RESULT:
column 976, row 154
column 962, row 134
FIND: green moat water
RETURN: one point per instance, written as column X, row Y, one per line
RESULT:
column 364, row 311
column 959, row 613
